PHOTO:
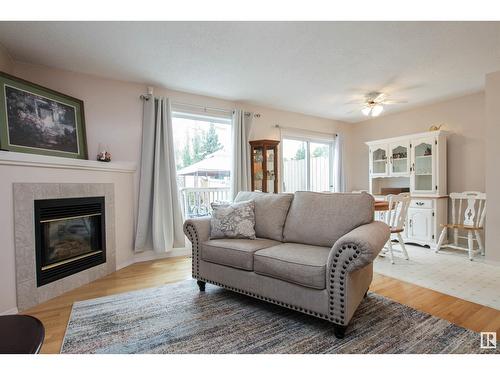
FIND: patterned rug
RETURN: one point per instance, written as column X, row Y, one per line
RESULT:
column 177, row 318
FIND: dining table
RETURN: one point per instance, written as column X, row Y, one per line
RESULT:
column 381, row 205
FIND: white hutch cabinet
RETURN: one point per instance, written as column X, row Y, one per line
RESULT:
column 414, row 163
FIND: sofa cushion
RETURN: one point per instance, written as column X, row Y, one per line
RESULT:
column 236, row 253
column 322, row 218
column 295, row 263
column 270, row 212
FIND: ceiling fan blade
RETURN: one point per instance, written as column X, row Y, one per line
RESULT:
column 352, row 111
column 389, row 102
column 380, row 97
column 358, row 101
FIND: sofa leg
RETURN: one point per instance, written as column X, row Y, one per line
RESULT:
column 201, row 285
column 339, row 331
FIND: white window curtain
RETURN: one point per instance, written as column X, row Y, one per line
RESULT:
column 338, row 165
column 240, row 171
column 159, row 220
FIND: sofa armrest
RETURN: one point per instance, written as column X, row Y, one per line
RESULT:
column 361, row 244
column 351, row 252
column 197, row 231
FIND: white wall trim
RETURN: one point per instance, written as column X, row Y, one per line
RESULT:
column 150, row 255
column 12, row 311
column 43, row 161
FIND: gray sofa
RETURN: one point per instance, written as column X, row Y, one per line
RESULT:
column 313, row 253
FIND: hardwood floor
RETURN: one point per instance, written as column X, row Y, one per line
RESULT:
column 55, row 313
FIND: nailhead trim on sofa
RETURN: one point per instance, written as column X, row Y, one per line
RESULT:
column 267, row 299
column 347, row 261
column 345, row 256
column 192, row 235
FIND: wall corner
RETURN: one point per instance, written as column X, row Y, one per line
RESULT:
column 6, row 61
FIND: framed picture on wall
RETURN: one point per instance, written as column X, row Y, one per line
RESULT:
column 38, row 120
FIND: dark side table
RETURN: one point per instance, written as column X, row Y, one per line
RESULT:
column 20, row 334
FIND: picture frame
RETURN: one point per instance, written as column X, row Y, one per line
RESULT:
column 38, row 120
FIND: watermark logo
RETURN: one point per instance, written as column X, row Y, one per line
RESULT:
column 488, row 340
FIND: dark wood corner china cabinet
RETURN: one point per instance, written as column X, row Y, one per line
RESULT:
column 264, row 165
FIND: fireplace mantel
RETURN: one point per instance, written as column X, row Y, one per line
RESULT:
column 31, row 160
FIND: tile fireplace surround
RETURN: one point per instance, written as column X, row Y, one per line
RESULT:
column 28, row 294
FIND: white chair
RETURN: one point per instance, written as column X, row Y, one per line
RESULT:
column 468, row 211
column 395, row 217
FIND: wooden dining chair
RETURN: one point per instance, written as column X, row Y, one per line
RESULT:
column 395, row 218
column 468, row 211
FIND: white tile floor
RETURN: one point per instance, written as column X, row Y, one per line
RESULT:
column 449, row 272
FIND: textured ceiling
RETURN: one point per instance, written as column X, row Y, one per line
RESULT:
column 308, row 67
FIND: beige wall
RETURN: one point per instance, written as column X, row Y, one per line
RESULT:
column 493, row 165
column 113, row 111
column 464, row 118
column 6, row 63
column 113, row 114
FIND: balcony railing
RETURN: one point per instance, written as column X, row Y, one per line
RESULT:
column 196, row 202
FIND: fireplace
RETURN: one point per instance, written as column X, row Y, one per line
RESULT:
column 70, row 236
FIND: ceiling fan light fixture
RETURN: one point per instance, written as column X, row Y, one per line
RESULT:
column 366, row 111
column 377, row 110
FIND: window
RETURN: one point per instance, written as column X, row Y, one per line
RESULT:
column 203, row 160
column 307, row 164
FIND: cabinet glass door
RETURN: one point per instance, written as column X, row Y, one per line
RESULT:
column 258, row 171
column 400, row 161
column 379, row 161
column 271, row 173
column 423, row 166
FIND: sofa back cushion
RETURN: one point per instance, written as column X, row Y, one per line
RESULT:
column 270, row 212
column 322, row 218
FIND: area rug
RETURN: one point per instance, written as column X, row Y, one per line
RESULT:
column 177, row 318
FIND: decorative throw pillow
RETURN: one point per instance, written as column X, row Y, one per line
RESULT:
column 235, row 220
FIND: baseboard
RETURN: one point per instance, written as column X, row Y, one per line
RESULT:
column 127, row 263
column 10, row 311
column 150, row 255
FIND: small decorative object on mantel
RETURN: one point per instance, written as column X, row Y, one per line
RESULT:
column 38, row 120
column 103, row 154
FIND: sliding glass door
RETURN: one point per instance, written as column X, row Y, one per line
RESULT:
column 294, row 165
column 320, row 167
column 307, row 164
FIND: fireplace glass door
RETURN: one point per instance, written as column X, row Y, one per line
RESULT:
column 70, row 238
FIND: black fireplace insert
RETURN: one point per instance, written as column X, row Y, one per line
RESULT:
column 70, row 236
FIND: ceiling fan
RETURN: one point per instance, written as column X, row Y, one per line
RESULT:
column 374, row 102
